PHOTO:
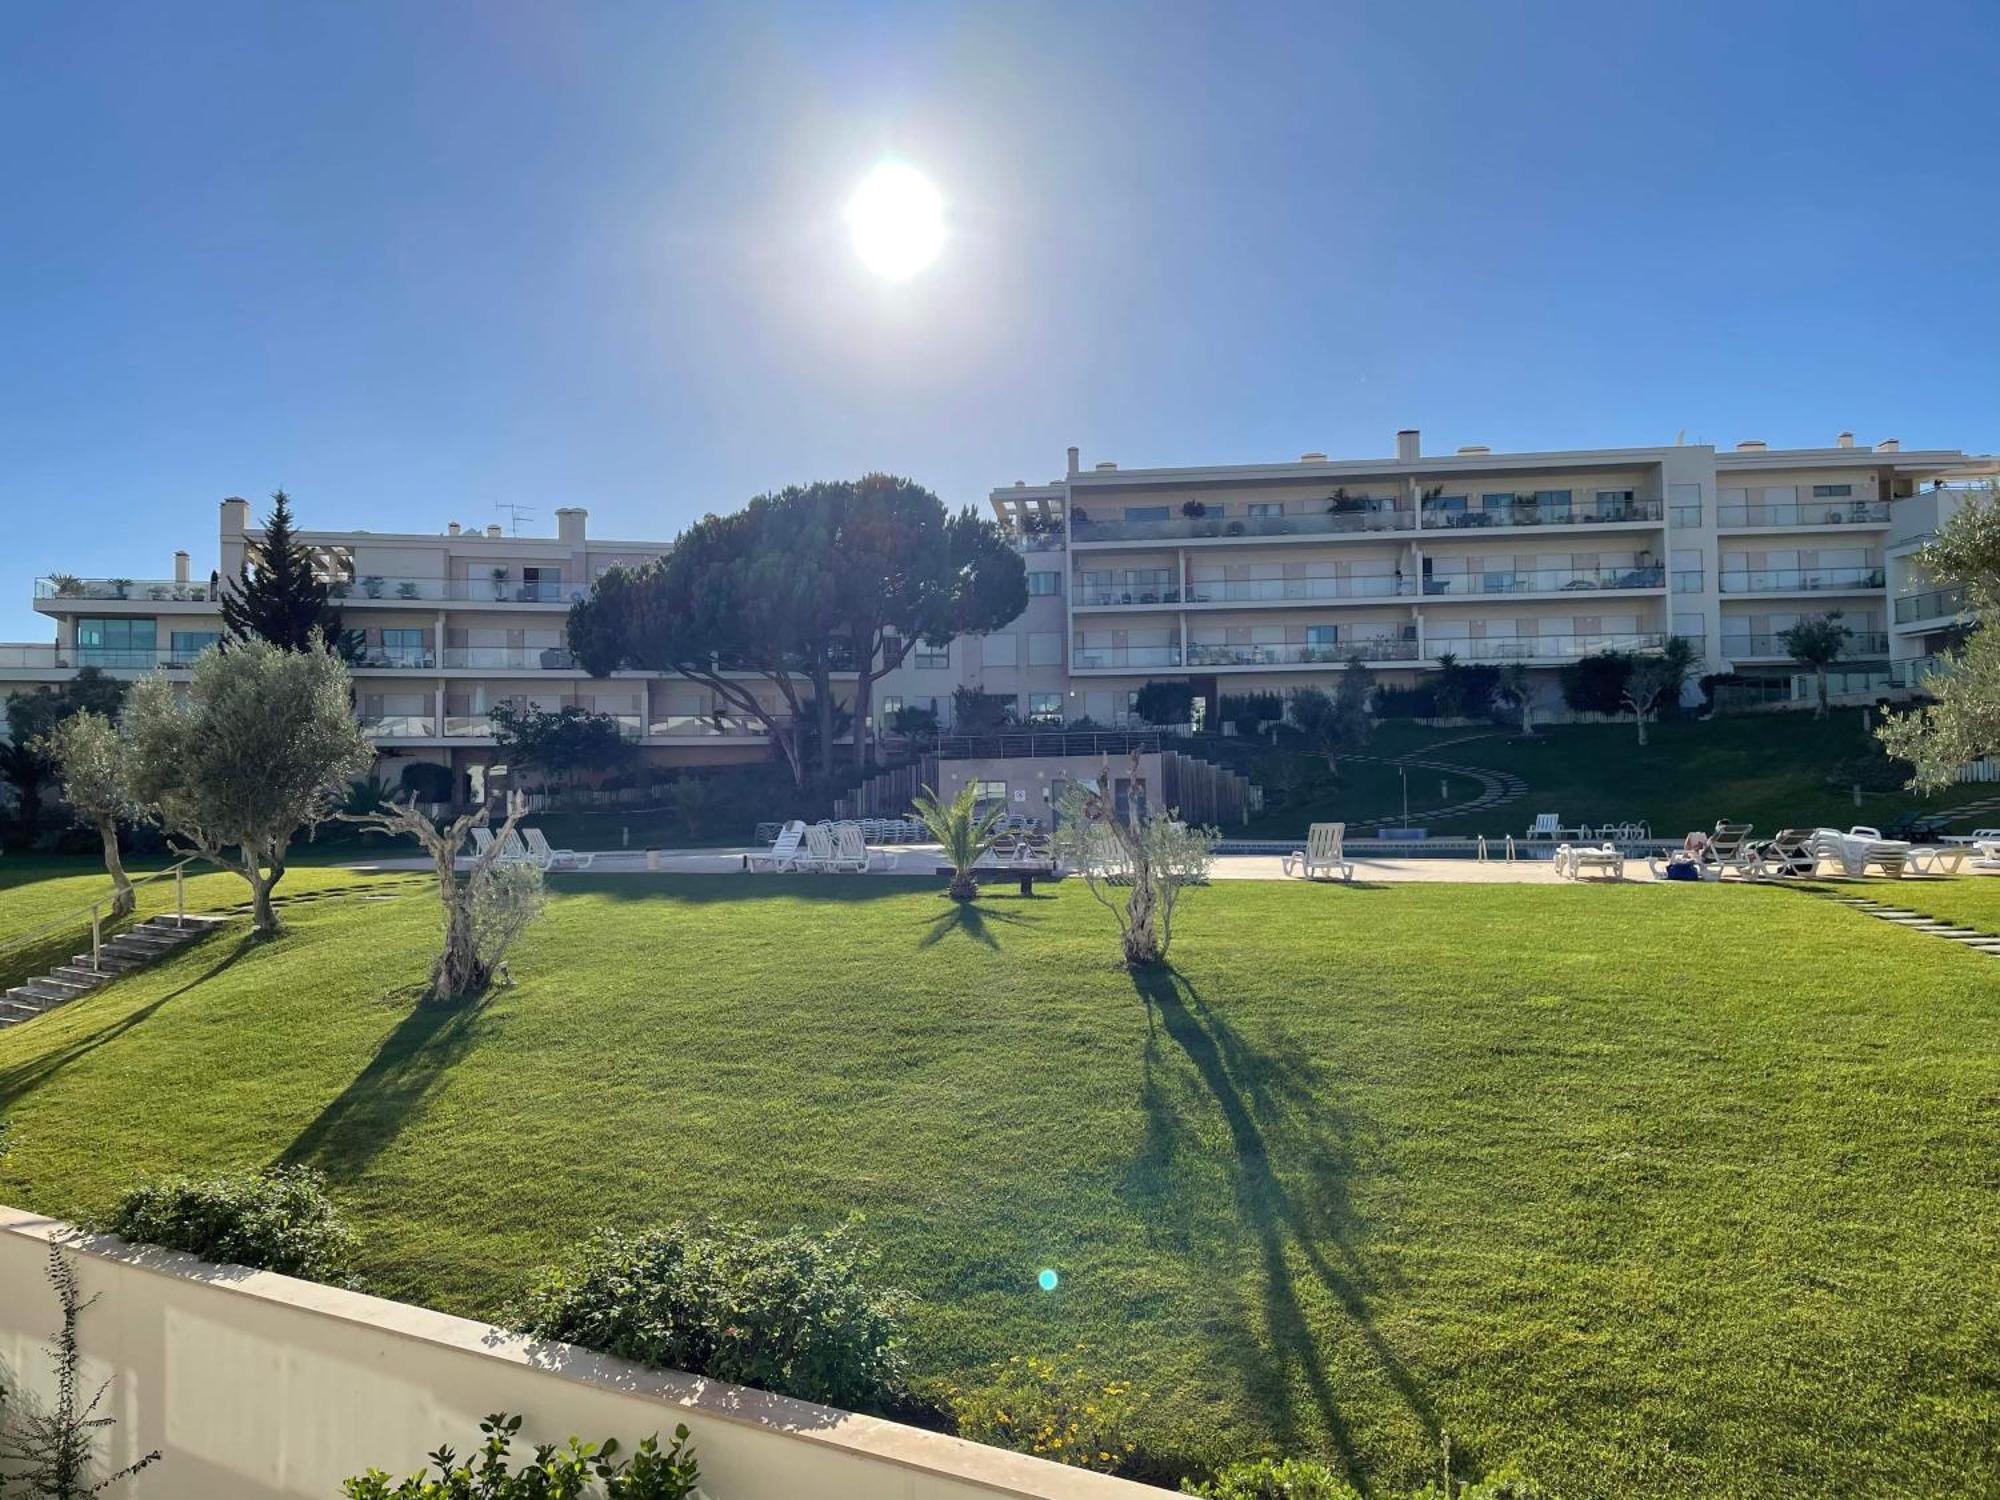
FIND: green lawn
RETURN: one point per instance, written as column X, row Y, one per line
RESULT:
column 1654, row 1191
column 1770, row 770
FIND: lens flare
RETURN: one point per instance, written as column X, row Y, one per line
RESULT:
column 896, row 221
column 1048, row 1280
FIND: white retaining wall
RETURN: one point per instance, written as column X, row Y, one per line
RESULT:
column 256, row 1386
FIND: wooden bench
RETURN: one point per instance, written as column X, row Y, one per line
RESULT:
column 994, row 874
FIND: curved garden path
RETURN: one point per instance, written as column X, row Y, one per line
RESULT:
column 1496, row 788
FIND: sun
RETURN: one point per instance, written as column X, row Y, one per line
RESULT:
column 896, row 220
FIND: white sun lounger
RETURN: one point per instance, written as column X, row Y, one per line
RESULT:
column 540, row 852
column 1324, row 854
column 783, row 855
column 1937, row 859
column 1572, row 860
column 851, row 854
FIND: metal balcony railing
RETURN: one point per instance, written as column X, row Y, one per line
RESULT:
column 1526, row 513
column 1181, row 528
column 1543, row 580
column 1758, row 643
column 510, row 658
column 1935, row 604
column 1089, row 658
column 388, row 589
column 1799, row 580
column 1804, row 513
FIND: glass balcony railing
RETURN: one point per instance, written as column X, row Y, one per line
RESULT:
column 1038, row 541
column 1543, row 581
column 1523, row 513
column 158, row 590
column 1758, row 643
column 1912, row 672
column 1542, row 647
column 1688, row 580
column 1805, row 513
column 1936, row 604
column 399, row 726
column 27, row 656
column 706, row 726
column 105, row 658
column 369, row 587
column 1245, row 591
column 1799, row 580
column 510, row 658
column 1181, row 528
column 1294, row 653
column 1089, row 658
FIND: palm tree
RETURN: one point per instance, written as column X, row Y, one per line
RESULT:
column 1816, row 642
column 965, row 833
column 1517, row 688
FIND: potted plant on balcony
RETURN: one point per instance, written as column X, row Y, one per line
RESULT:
column 66, row 585
column 407, row 589
column 340, row 588
column 499, row 583
column 371, row 585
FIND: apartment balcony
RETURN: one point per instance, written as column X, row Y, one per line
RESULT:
column 383, row 589
column 510, row 659
column 1541, row 581
column 1527, row 514
column 1301, row 654
column 402, row 726
column 1248, row 591
column 1085, row 532
column 1753, row 646
column 1038, row 541
column 1124, row 658
column 1911, row 672
column 1790, row 516
column 65, row 589
column 1542, row 648
column 1936, row 604
column 706, row 727
column 104, row 658
column 1852, row 580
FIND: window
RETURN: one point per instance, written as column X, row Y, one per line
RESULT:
column 188, row 644
column 116, row 643
column 404, row 648
column 1263, row 508
column 1042, row 584
column 1832, row 491
column 1000, row 650
column 1321, row 635
column 1145, row 512
column 1045, row 708
column 1045, row 648
column 541, row 585
column 933, row 658
column 986, row 793
column 892, row 704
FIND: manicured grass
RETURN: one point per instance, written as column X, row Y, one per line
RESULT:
column 1663, row 1192
column 1769, row 770
column 1969, row 900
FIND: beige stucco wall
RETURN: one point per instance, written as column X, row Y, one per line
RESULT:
column 256, row 1386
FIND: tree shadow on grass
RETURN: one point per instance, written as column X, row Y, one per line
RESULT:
column 970, row 918
column 697, row 890
column 24, row 1077
column 1303, row 1226
column 368, row 1115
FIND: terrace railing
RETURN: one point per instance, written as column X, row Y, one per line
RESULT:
column 1182, row 528
column 1934, row 604
column 1292, row 653
column 1800, row 580
column 1543, row 580
column 1758, row 643
column 1804, row 513
column 1525, row 513
column 158, row 590
column 1543, row 647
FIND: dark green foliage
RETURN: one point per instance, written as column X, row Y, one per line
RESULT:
column 1163, row 702
column 913, row 722
column 280, row 1219
column 1249, row 711
column 31, row 718
column 49, row 1453
column 1276, row 1479
column 794, row 1313
column 560, row 743
column 975, row 712
column 277, row 596
column 1596, row 684
column 651, row 1473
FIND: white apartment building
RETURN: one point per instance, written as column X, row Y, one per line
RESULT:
column 1234, row 579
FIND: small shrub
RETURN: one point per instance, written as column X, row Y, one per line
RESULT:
column 1056, row 1410
column 649, row 1474
column 276, row 1220
column 1276, row 1479
column 794, row 1313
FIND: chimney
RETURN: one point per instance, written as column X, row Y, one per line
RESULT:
column 452, row 530
column 1408, row 445
column 1845, row 440
column 569, row 522
column 235, row 516
column 1889, row 445
column 1750, row 445
column 180, row 567
column 494, row 531
column 1075, row 461
column 1107, row 464
column 1312, row 458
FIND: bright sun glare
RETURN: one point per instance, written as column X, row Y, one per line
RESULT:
column 896, row 220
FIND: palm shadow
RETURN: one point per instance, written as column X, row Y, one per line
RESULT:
column 1303, row 1226
column 22, row 1079
column 367, row 1116
column 969, row 918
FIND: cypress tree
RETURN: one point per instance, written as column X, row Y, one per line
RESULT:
column 279, row 599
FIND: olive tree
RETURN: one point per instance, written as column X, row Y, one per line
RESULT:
column 260, row 749
column 485, row 906
column 89, row 755
column 1136, row 866
column 1645, row 685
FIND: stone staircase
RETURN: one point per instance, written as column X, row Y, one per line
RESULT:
column 134, row 948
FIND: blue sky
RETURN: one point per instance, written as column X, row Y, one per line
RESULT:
column 415, row 261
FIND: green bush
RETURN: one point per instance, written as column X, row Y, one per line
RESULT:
column 649, row 1474
column 1276, row 1479
column 276, row 1220
column 429, row 782
column 794, row 1313
column 1054, row 1409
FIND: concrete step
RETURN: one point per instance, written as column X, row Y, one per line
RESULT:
column 81, row 974
column 152, row 938
column 194, row 923
column 112, row 961
column 61, row 989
